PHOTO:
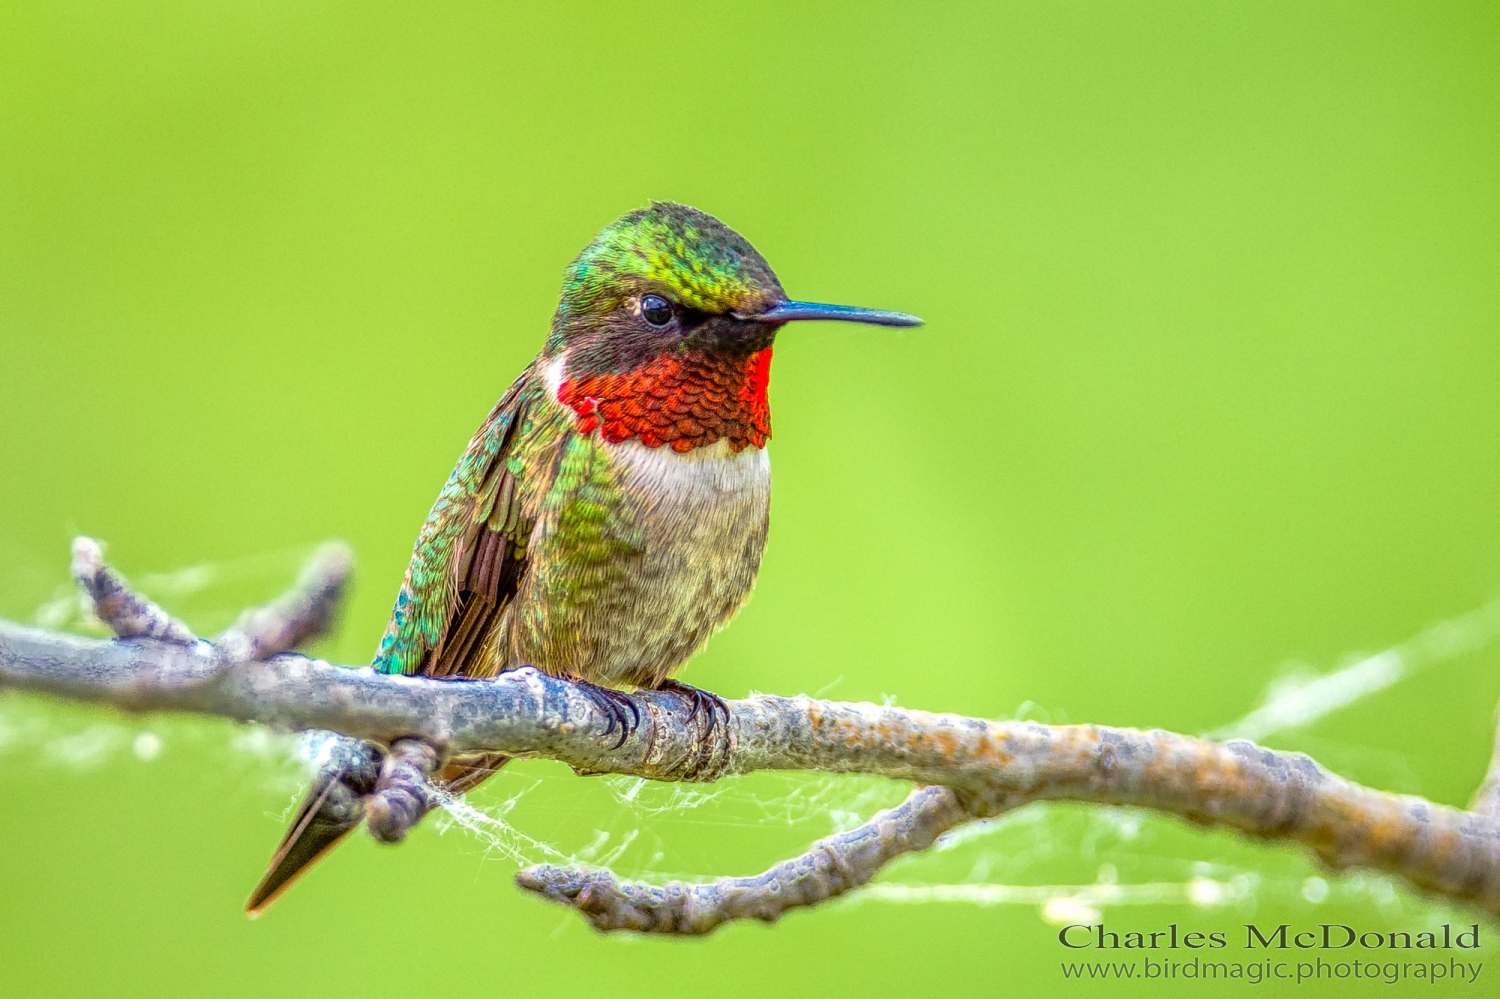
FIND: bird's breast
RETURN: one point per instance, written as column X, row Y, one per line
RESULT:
column 640, row 555
column 702, row 518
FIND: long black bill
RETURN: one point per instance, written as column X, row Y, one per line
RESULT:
column 786, row 312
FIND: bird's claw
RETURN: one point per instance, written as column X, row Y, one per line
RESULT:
column 703, row 703
column 616, row 705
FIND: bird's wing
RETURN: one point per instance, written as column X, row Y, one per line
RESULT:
column 471, row 553
column 467, row 563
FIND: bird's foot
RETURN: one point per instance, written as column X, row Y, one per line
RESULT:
column 703, row 704
column 618, row 706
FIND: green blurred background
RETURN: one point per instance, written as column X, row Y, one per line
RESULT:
column 1210, row 384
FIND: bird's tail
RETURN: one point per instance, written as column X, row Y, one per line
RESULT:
column 333, row 807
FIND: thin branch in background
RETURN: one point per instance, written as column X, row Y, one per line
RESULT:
column 970, row 768
column 1061, row 904
column 1297, row 702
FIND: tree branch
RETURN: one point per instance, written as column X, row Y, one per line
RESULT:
column 977, row 768
column 128, row 614
column 834, row 865
column 301, row 615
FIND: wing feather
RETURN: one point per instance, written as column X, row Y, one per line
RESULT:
column 470, row 554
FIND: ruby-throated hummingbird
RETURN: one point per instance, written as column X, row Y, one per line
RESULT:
column 610, row 513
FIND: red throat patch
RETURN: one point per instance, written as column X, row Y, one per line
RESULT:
column 686, row 400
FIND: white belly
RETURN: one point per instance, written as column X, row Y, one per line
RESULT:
column 704, row 515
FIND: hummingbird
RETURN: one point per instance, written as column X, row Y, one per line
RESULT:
column 610, row 512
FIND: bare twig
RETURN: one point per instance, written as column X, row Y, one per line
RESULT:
column 126, row 612
column 833, row 866
column 402, row 795
column 301, row 615
column 977, row 768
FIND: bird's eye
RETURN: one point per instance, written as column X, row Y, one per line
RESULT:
column 657, row 310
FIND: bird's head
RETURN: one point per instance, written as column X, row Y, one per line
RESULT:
column 671, row 289
column 671, row 277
